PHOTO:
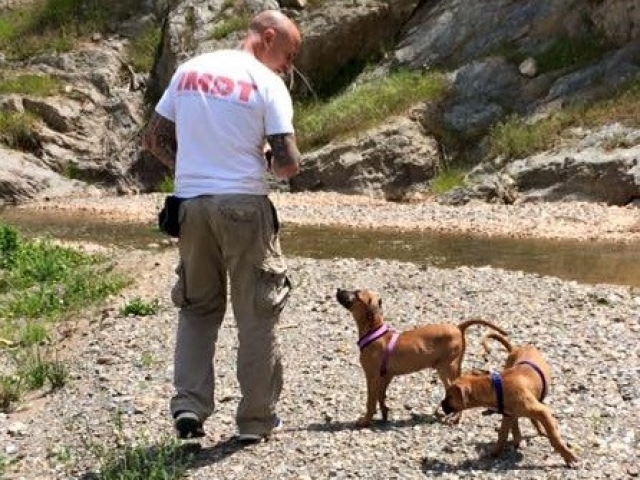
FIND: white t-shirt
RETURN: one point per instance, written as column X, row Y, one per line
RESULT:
column 224, row 103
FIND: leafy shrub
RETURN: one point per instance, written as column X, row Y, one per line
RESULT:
column 139, row 307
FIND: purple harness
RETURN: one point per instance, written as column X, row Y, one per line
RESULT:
column 540, row 374
column 496, row 381
column 372, row 336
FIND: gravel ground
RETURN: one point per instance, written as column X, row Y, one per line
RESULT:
column 121, row 367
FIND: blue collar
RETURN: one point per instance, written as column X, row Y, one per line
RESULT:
column 496, row 380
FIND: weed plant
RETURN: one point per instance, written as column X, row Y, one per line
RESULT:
column 138, row 306
column 119, row 457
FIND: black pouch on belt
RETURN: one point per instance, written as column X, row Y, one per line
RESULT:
column 168, row 218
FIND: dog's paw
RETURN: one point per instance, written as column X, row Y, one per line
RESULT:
column 385, row 414
column 493, row 452
column 452, row 419
column 571, row 460
column 363, row 422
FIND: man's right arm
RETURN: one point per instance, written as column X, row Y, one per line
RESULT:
column 160, row 139
column 286, row 156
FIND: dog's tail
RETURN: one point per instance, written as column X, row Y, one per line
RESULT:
column 479, row 321
column 495, row 336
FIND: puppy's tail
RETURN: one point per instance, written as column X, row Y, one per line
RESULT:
column 479, row 321
column 495, row 336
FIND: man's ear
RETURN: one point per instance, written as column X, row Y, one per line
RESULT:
column 268, row 37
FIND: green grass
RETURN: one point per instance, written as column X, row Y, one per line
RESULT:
column 17, row 130
column 237, row 23
column 167, row 185
column 446, row 180
column 33, row 333
column 164, row 461
column 36, row 371
column 118, row 457
column 11, row 390
column 362, row 107
column 139, row 307
column 561, row 53
column 517, row 138
column 57, row 25
column 314, row 4
column 30, row 84
column 142, row 49
column 41, row 282
column 571, row 52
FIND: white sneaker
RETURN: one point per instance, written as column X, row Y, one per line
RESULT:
column 256, row 437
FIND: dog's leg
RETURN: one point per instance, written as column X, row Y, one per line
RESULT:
column 373, row 389
column 503, row 435
column 382, row 400
column 516, row 434
column 543, row 414
column 538, row 427
column 447, row 375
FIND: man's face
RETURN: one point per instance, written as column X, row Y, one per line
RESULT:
column 281, row 50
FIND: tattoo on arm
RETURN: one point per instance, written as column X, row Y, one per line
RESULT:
column 160, row 140
column 286, row 157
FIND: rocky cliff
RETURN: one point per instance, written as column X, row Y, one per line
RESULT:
column 501, row 59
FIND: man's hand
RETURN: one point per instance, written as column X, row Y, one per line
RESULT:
column 268, row 155
column 160, row 139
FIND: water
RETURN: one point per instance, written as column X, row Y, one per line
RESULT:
column 586, row 262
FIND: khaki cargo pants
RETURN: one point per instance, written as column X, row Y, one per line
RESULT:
column 229, row 239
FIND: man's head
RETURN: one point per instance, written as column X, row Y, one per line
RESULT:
column 274, row 39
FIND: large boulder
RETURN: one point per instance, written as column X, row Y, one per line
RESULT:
column 393, row 160
column 451, row 32
column 23, row 177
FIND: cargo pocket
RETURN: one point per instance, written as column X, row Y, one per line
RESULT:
column 272, row 289
column 178, row 292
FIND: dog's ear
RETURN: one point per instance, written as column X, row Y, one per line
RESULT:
column 459, row 395
column 375, row 301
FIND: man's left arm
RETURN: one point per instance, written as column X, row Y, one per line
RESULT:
column 285, row 161
column 160, row 139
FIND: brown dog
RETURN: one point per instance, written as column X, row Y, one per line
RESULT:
column 385, row 353
column 516, row 392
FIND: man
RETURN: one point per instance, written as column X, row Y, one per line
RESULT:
column 211, row 125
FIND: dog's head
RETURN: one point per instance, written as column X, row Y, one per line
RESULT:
column 363, row 304
column 457, row 396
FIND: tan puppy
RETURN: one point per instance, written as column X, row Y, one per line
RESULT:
column 516, row 392
column 385, row 353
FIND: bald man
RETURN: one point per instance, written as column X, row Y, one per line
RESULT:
column 212, row 125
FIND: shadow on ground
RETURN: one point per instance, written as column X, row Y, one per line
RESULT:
column 509, row 461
